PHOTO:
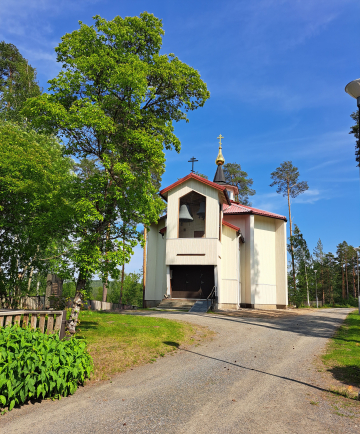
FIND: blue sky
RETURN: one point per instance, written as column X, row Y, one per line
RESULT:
column 276, row 71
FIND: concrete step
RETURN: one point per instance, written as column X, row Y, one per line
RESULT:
column 170, row 303
column 201, row 306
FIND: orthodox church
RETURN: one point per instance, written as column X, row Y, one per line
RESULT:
column 208, row 244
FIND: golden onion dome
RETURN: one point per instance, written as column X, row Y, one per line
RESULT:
column 220, row 160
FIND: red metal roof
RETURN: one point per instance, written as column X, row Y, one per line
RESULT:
column 221, row 188
column 237, row 208
column 225, row 223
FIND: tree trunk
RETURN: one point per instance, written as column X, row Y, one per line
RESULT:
column 322, row 282
column 354, row 281
column 105, row 288
column 307, row 288
column 329, row 284
column 122, row 284
column 347, row 280
column 77, row 303
column 105, row 284
column 144, row 266
column 30, row 279
column 291, row 243
column 343, row 281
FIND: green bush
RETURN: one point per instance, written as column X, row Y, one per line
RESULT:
column 35, row 365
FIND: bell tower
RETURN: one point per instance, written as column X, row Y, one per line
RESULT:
column 219, row 177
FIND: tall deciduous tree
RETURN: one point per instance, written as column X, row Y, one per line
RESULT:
column 17, row 82
column 286, row 179
column 234, row 175
column 115, row 100
column 35, row 209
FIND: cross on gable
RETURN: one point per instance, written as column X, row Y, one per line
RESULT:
column 192, row 160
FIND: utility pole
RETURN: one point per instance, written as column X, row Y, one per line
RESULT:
column 357, row 249
column 306, row 278
column 317, row 303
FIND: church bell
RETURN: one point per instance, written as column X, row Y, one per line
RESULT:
column 201, row 212
column 184, row 214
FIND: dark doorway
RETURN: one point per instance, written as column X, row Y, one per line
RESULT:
column 192, row 281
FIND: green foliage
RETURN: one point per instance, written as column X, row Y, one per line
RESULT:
column 286, row 179
column 132, row 290
column 234, row 175
column 201, row 174
column 334, row 275
column 69, row 289
column 35, row 206
column 114, row 102
column 98, row 293
column 34, row 365
column 17, row 82
column 355, row 131
column 303, row 261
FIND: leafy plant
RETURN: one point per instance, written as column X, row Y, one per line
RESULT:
column 34, row 365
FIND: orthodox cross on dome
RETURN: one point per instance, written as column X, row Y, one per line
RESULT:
column 192, row 160
column 220, row 160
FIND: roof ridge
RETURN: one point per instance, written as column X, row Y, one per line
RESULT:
column 198, row 178
column 254, row 209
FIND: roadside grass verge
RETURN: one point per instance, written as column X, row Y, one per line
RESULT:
column 118, row 342
column 342, row 357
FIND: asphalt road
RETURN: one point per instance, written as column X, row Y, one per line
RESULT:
column 256, row 376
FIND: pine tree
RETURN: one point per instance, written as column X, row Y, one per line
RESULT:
column 286, row 178
column 234, row 175
column 303, row 262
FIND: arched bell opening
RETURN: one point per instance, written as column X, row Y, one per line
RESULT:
column 192, row 215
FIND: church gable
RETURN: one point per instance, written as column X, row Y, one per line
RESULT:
column 177, row 197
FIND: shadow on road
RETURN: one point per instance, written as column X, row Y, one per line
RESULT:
column 237, row 365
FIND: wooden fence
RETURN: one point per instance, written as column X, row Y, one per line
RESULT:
column 49, row 321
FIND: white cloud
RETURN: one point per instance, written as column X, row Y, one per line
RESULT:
column 310, row 196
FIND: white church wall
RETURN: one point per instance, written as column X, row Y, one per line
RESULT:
column 212, row 208
column 281, row 264
column 245, row 223
column 155, row 286
column 264, row 261
column 229, row 292
column 151, row 256
column 187, row 251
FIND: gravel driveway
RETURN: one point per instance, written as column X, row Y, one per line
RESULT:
column 256, row 376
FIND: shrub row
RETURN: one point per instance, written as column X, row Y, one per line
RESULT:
column 35, row 365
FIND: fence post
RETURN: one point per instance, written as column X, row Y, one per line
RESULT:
column 63, row 325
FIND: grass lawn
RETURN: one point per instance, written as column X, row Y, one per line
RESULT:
column 342, row 356
column 118, row 342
